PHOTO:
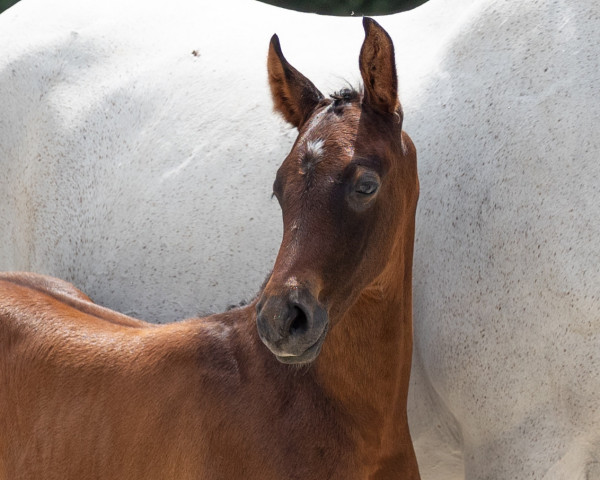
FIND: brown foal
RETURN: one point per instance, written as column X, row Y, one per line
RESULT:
column 308, row 382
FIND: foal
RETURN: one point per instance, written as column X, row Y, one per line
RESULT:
column 88, row 393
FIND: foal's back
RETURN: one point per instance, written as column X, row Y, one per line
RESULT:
column 199, row 397
column 64, row 360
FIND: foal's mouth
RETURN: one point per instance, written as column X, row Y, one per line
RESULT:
column 292, row 324
column 308, row 356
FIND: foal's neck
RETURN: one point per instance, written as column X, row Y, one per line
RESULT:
column 365, row 363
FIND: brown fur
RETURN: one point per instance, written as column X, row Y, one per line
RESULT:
column 378, row 70
column 288, row 84
column 88, row 393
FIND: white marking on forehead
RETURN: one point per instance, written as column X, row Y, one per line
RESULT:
column 312, row 153
column 314, row 149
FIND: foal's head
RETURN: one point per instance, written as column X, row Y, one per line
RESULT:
column 348, row 192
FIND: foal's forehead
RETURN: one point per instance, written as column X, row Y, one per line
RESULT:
column 330, row 132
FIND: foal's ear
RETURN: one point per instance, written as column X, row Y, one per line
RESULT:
column 294, row 95
column 378, row 69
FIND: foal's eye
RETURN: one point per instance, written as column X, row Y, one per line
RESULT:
column 363, row 190
column 367, row 186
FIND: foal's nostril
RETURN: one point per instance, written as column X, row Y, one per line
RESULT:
column 299, row 323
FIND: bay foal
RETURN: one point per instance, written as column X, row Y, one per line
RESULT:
column 88, row 393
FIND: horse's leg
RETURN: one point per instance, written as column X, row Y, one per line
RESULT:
column 553, row 452
column 434, row 430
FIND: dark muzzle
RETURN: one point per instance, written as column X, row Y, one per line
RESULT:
column 292, row 325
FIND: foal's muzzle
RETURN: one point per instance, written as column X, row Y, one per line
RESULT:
column 292, row 325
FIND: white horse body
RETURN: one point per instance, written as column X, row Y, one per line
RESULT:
column 507, row 284
column 141, row 172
